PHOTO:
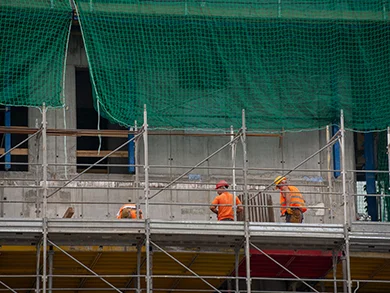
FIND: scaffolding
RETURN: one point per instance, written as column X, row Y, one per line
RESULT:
column 149, row 236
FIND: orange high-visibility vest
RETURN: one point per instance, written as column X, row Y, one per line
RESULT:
column 132, row 210
column 225, row 212
column 296, row 200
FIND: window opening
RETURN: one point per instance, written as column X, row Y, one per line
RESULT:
column 19, row 156
column 87, row 147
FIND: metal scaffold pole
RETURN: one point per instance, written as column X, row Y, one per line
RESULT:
column 329, row 174
column 246, row 207
column 388, row 158
column 38, row 267
column 45, row 192
column 50, row 281
column 233, row 146
column 345, row 271
column 149, row 288
column 139, row 251
column 334, row 269
column 236, row 267
column 136, row 162
column 346, row 205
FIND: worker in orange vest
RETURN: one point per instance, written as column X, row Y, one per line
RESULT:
column 129, row 211
column 226, row 200
column 291, row 201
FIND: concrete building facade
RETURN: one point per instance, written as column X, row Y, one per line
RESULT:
column 170, row 156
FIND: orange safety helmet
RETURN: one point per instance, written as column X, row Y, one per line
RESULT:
column 221, row 183
column 278, row 180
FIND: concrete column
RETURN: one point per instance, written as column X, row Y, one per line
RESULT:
column 66, row 146
column 35, row 157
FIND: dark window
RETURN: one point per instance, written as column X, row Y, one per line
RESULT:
column 19, row 157
column 87, row 118
column 360, row 160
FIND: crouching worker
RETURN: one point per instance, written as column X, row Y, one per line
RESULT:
column 129, row 211
column 226, row 200
column 291, row 201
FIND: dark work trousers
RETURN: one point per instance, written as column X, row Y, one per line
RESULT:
column 288, row 216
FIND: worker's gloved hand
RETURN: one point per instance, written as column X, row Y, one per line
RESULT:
column 289, row 211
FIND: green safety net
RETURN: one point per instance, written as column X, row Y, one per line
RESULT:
column 383, row 178
column 196, row 64
column 33, row 40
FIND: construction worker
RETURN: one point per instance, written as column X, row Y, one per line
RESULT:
column 224, row 198
column 291, row 201
column 129, row 211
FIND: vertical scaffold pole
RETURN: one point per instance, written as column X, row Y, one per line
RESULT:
column 236, row 264
column 345, row 272
column 136, row 162
column 7, row 136
column 334, row 268
column 38, row 280
column 246, row 208
column 388, row 158
column 44, row 186
column 38, row 203
column 146, row 196
column 50, row 281
column 131, row 153
column 329, row 174
column 139, row 250
column 233, row 171
column 346, row 204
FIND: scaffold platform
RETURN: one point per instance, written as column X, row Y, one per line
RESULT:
column 363, row 235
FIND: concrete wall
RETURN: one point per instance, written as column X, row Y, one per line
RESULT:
column 171, row 151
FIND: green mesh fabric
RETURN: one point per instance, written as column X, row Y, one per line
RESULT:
column 33, row 39
column 383, row 178
column 291, row 65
